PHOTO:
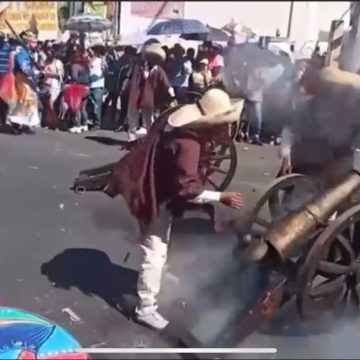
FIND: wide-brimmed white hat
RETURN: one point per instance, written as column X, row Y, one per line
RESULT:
column 154, row 50
column 214, row 107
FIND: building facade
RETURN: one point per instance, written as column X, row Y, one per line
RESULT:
column 309, row 18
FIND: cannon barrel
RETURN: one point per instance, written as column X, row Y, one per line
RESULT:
column 295, row 229
column 94, row 179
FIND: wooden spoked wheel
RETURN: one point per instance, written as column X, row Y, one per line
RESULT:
column 329, row 273
column 285, row 194
column 222, row 166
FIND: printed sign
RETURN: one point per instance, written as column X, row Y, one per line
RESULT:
column 159, row 9
column 24, row 15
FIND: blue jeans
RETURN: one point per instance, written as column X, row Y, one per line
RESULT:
column 253, row 116
column 96, row 95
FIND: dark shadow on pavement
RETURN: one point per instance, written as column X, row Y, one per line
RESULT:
column 92, row 272
column 193, row 225
column 105, row 140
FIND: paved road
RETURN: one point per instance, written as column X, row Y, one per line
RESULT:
column 61, row 250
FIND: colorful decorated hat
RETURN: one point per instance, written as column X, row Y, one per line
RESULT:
column 24, row 335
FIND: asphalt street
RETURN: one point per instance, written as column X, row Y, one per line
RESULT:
column 62, row 250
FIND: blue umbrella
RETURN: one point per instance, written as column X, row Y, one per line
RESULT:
column 178, row 26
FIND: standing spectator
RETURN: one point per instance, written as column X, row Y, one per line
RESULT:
column 127, row 63
column 113, row 59
column 149, row 88
column 5, row 51
column 200, row 79
column 54, row 75
column 216, row 61
column 26, row 114
column 253, row 103
column 190, row 55
column 80, row 74
column 181, row 71
column 79, row 67
column 97, row 84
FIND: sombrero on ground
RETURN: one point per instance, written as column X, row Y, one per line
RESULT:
column 213, row 108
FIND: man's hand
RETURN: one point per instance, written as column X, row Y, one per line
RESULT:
column 286, row 168
column 232, row 199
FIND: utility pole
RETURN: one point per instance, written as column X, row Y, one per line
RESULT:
column 290, row 19
column 351, row 50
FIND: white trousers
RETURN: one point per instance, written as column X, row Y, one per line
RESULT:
column 133, row 121
column 154, row 250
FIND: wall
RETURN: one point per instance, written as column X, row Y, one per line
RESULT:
column 262, row 17
column 22, row 14
column 138, row 16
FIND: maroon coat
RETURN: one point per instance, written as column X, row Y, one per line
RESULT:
column 148, row 93
column 164, row 168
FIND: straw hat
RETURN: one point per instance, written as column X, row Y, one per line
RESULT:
column 154, row 50
column 213, row 108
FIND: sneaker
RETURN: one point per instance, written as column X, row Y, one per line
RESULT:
column 95, row 128
column 74, row 130
column 153, row 320
column 141, row 132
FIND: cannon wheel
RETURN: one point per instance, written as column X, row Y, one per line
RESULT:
column 330, row 272
column 274, row 199
column 223, row 164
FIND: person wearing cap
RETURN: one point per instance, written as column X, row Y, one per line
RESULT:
column 200, row 79
column 161, row 177
column 148, row 87
column 26, row 115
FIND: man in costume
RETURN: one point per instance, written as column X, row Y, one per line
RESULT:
column 320, row 140
column 161, row 176
column 148, row 87
column 25, row 116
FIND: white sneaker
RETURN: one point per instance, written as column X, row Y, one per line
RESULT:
column 141, row 132
column 154, row 320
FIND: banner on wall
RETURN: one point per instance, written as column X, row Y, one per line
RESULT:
column 25, row 15
column 159, row 9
